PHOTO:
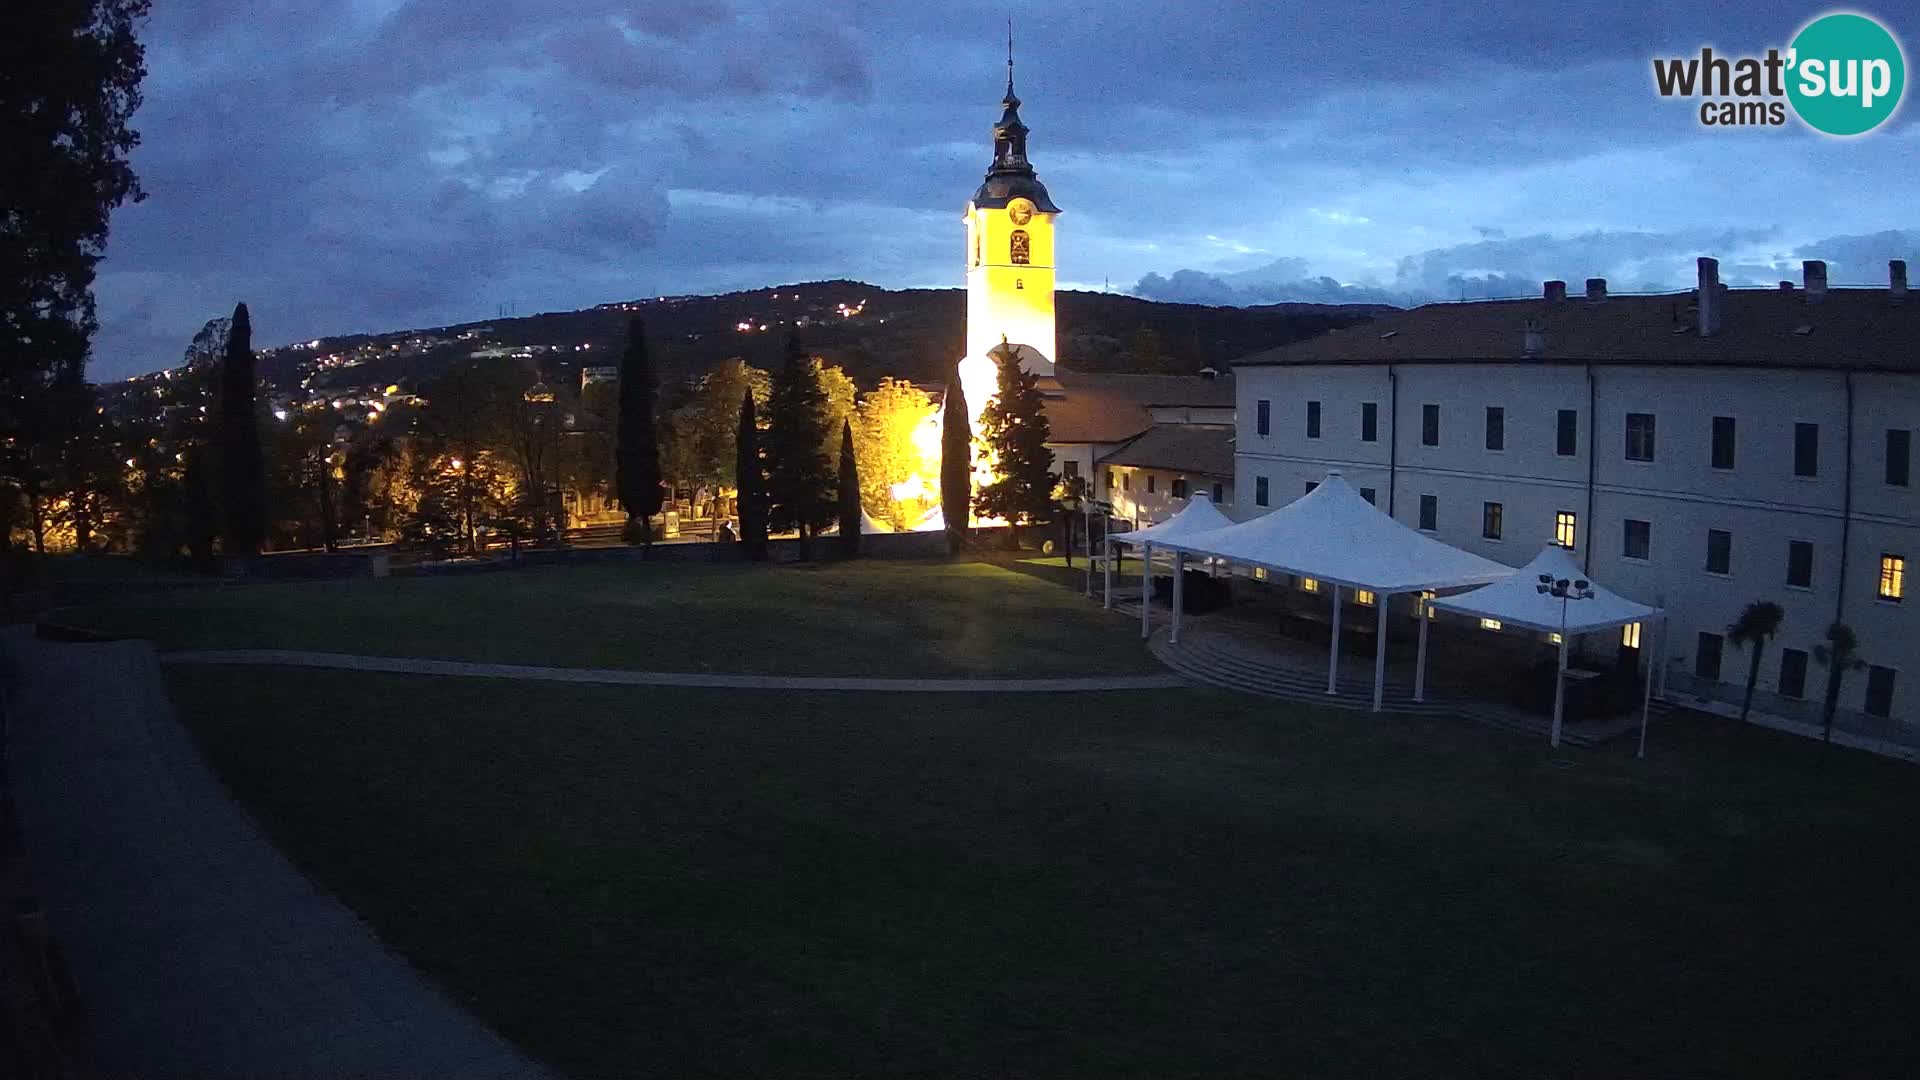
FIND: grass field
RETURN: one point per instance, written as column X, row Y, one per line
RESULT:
column 861, row 618
column 1142, row 884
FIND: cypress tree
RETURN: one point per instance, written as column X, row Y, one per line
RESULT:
column 242, row 472
column 849, row 492
column 750, row 482
column 956, row 464
column 1015, row 428
column 637, row 452
column 799, row 479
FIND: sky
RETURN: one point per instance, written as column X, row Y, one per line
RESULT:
column 366, row 165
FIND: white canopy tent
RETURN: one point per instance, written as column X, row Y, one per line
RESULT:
column 1526, row 600
column 869, row 526
column 1197, row 517
column 1333, row 535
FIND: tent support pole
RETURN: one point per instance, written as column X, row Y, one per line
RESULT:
column 1420, row 663
column 1380, row 648
column 1646, row 702
column 1179, row 593
column 1146, row 591
column 1333, row 645
column 1559, row 687
column 1106, row 597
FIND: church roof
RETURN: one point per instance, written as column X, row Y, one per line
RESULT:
column 1011, row 175
column 1206, row 450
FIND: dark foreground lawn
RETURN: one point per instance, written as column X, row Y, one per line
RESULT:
column 862, row 618
column 1149, row 884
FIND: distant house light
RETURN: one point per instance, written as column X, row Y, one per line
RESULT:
column 1489, row 624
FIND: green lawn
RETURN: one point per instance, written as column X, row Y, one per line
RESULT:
column 1131, row 884
column 861, row 618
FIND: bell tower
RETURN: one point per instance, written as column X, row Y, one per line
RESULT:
column 1010, row 246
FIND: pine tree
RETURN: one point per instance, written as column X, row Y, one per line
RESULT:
column 242, row 471
column 849, row 492
column 1014, row 426
column 956, row 464
column 750, row 481
column 637, row 454
column 799, row 479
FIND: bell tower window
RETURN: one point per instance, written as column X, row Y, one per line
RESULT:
column 1020, row 251
column 1019, row 284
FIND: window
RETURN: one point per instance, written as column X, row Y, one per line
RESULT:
column 1793, row 673
column 1879, row 691
column 1308, row 584
column 1899, row 456
column 1567, row 434
column 1126, row 481
column 1566, row 529
column 1636, row 540
column 1723, row 442
column 1429, row 425
column 1369, row 495
column 1489, row 624
column 1496, row 428
column 1109, row 479
column 1259, row 491
column 1430, row 513
column 1019, row 284
column 1259, row 573
column 1719, row 551
column 1263, row 417
column 1364, row 597
column 1311, row 484
column 1423, row 608
column 1069, row 470
column 1219, row 494
column 1369, row 422
column 1019, row 249
column 1630, row 635
column 1490, row 520
column 1639, row 436
column 1179, row 487
column 1800, row 564
column 1893, row 577
column 1806, row 449
column 1706, row 660
column 1151, row 483
column 1313, row 419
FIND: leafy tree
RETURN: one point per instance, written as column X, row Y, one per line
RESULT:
column 799, row 479
column 709, row 422
column 752, row 483
column 1841, row 654
column 1758, row 622
column 956, row 464
column 1015, row 428
column 849, row 492
column 466, row 430
column 841, row 396
column 242, row 472
column 68, row 92
column 887, row 429
column 637, row 459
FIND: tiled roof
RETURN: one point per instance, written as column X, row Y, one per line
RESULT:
column 1150, row 389
column 1190, row 448
column 1854, row 329
column 1088, row 417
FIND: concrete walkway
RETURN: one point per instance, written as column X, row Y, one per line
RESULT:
column 198, row 949
column 619, row 677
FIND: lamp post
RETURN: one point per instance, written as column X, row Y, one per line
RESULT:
column 1566, row 589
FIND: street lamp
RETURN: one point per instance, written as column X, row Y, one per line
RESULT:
column 1565, row 589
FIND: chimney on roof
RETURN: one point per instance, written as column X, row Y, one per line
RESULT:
column 1596, row 288
column 1209, row 373
column 1897, row 278
column 1815, row 273
column 1712, row 304
column 1556, row 290
column 1786, row 286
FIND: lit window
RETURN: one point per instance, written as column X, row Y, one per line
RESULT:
column 1425, row 599
column 1630, row 635
column 1363, row 596
column 1308, row 584
column 1489, row 624
column 1565, row 528
column 1259, row 573
column 1893, row 577
column 1553, row 639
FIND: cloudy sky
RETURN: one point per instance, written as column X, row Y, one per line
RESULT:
column 347, row 165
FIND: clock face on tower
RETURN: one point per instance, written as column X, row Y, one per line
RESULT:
column 1021, row 211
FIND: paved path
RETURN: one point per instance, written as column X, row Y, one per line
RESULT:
column 199, row 950
column 618, row 677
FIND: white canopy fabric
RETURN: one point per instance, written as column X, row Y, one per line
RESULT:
column 1517, row 601
column 1334, row 535
column 1197, row 517
column 869, row 525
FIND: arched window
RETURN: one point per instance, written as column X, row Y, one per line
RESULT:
column 1019, row 284
column 1019, row 251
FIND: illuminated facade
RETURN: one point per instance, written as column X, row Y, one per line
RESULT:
column 1010, row 249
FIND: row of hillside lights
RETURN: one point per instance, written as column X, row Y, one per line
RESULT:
column 1565, row 590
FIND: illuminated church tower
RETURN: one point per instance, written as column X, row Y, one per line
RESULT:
column 1010, row 247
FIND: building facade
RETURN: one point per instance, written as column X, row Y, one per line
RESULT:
column 1697, row 451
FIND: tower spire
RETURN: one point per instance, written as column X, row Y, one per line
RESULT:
column 1010, row 56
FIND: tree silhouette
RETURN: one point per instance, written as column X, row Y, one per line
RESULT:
column 1015, row 428
column 242, row 471
column 637, row 453
column 1758, row 623
column 750, row 481
column 1840, row 655
column 956, row 464
column 849, row 492
column 799, row 479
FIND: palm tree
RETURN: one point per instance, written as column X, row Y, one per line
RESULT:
column 1758, row 622
column 1840, row 655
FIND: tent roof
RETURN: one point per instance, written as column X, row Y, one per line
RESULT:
column 1199, row 516
column 869, row 525
column 1517, row 600
column 1335, row 535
